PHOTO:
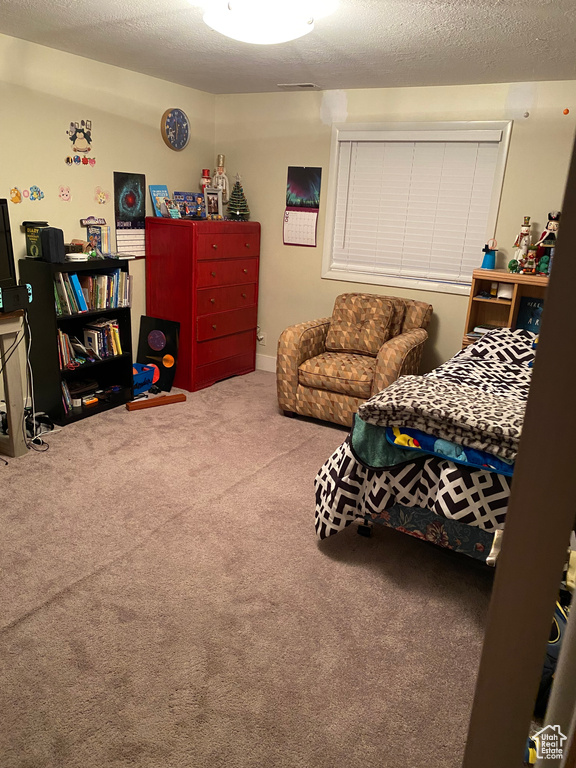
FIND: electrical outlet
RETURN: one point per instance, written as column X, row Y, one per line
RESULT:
column 262, row 339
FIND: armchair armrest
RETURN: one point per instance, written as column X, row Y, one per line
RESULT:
column 398, row 357
column 296, row 344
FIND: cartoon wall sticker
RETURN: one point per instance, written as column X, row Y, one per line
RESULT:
column 15, row 195
column 36, row 193
column 101, row 196
column 80, row 134
column 64, row 193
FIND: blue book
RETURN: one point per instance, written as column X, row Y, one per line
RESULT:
column 78, row 295
column 186, row 202
column 158, row 193
column 529, row 314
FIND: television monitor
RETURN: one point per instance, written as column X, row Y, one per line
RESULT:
column 7, row 266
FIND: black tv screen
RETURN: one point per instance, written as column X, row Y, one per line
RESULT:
column 7, row 267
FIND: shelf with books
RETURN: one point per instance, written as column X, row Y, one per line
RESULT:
column 484, row 312
column 59, row 352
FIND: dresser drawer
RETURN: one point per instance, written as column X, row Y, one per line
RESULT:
column 210, row 300
column 225, row 323
column 205, row 375
column 227, row 346
column 228, row 246
column 231, row 272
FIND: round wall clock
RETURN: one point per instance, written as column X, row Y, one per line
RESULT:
column 175, row 129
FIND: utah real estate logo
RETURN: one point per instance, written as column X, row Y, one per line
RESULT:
column 549, row 743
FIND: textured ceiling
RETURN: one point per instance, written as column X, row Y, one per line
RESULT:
column 364, row 44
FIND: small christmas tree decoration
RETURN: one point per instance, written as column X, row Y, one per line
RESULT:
column 237, row 204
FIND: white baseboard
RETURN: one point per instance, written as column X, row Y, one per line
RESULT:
column 266, row 363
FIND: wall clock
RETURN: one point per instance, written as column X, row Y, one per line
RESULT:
column 175, row 129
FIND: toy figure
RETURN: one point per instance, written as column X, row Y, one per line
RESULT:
column 522, row 242
column 528, row 266
column 548, row 237
column 544, row 265
column 220, row 180
column 200, row 207
column 513, row 266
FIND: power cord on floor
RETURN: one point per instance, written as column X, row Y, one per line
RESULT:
column 35, row 443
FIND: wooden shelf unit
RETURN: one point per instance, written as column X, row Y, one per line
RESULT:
column 499, row 312
column 44, row 326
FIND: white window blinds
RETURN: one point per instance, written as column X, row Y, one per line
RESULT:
column 414, row 209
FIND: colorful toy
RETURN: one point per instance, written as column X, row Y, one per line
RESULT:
column 523, row 240
column 528, row 267
column 548, row 237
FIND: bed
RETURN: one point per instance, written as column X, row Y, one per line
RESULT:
column 433, row 456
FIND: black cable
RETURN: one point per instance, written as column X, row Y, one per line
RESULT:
column 30, row 393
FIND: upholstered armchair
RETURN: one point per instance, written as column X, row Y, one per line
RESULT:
column 326, row 368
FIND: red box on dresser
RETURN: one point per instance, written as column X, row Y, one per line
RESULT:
column 204, row 274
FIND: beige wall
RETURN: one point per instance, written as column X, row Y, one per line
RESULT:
column 262, row 134
column 42, row 90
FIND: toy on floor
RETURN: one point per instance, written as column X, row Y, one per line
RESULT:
column 163, row 400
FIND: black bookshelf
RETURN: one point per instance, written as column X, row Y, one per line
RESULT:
column 111, row 373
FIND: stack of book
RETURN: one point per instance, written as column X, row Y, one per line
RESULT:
column 66, row 397
column 72, row 353
column 480, row 330
column 103, row 337
column 75, row 294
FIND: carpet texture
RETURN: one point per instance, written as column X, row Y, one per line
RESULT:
column 165, row 603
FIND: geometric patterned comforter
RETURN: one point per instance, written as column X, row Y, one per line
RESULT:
column 346, row 489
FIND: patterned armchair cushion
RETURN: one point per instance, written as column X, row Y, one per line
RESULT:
column 361, row 323
column 339, row 372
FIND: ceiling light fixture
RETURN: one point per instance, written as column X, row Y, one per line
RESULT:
column 265, row 22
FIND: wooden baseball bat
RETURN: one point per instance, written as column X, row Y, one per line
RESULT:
column 137, row 405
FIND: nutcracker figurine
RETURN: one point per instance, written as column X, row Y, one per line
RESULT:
column 220, row 180
column 548, row 237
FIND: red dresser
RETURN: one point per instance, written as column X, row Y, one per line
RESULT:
column 204, row 274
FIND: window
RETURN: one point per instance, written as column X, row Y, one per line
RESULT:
column 413, row 204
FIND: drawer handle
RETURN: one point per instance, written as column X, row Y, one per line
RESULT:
column 214, row 326
column 247, row 245
column 212, row 301
column 214, row 246
column 243, row 295
column 245, row 271
column 213, row 274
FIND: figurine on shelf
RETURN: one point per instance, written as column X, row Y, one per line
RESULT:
column 544, row 265
column 529, row 265
column 521, row 244
column 205, row 181
column 548, row 238
column 220, row 180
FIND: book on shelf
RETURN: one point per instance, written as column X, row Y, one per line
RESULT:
column 103, row 335
column 66, row 397
column 62, row 294
column 78, row 295
column 82, row 293
column 530, row 314
column 186, row 202
column 158, row 193
column 484, row 328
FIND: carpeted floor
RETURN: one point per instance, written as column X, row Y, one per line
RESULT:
column 165, row 603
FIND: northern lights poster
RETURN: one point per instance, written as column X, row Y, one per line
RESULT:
column 302, row 204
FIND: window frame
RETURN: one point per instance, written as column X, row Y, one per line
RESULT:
column 411, row 131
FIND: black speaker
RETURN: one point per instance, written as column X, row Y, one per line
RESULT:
column 52, row 241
